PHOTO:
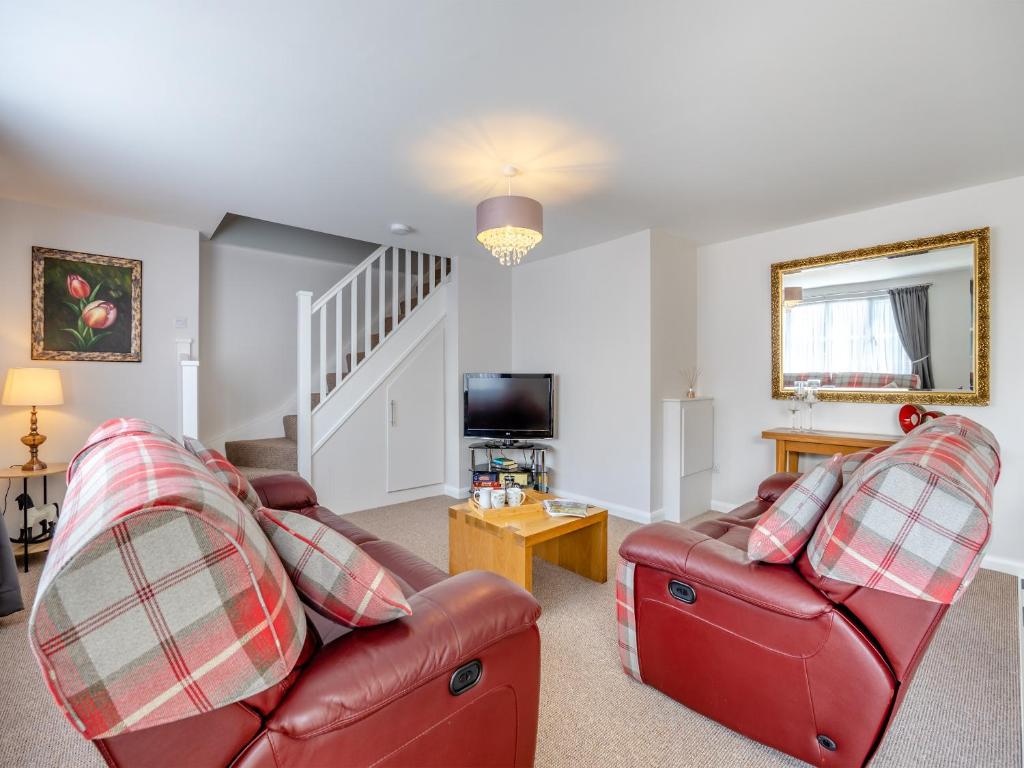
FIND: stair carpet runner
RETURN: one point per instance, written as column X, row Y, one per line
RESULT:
column 277, row 455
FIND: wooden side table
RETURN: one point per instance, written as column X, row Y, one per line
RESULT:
column 790, row 443
column 29, row 547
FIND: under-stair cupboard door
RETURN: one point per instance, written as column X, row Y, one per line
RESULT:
column 415, row 402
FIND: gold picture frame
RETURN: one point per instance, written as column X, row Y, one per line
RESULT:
column 979, row 238
column 86, row 307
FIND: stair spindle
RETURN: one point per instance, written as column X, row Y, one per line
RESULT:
column 394, row 288
column 368, row 318
column 339, row 337
column 408, row 281
column 323, row 352
column 353, row 292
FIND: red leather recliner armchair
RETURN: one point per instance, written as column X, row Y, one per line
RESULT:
column 811, row 666
column 383, row 695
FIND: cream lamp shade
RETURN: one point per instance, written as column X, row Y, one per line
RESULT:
column 33, row 386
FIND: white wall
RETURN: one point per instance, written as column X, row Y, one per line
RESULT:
column 673, row 333
column 247, row 371
column 950, row 320
column 486, row 327
column 586, row 317
column 735, row 350
column 94, row 392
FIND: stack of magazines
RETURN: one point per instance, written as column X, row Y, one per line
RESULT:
column 565, row 508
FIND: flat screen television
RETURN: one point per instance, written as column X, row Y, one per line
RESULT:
column 508, row 406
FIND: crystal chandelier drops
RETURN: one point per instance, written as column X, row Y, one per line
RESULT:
column 509, row 226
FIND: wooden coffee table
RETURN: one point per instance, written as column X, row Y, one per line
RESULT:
column 506, row 539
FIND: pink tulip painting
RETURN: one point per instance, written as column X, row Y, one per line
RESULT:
column 86, row 306
column 99, row 315
column 92, row 314
column 77, row 287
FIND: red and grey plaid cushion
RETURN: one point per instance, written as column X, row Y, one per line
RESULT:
column 783, row 531
column 626, row 614
column 226, row 472
column 916, row 520
column 337, row 578
column 965, row 428
column 110, row 429
column 854, row 461
column 161, row 598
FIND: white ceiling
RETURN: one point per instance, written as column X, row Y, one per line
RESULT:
column 713, row 119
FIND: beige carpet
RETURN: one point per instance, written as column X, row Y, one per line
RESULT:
column 963, row 709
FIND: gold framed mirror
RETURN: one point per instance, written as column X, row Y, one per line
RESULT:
column 904, row 322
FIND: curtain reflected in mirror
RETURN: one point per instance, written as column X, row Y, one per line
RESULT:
column 885, row 324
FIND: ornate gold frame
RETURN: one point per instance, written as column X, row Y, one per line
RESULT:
column 39, row 352
column 980, row 396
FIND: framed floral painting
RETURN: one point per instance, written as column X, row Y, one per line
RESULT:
column 86, row 307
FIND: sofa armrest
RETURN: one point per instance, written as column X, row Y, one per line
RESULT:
column 696, row 558
column 773, row 486
column 285, row 491
column 451, row 622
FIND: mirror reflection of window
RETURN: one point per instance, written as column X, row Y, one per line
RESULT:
column 856, row 334
column 898, row 322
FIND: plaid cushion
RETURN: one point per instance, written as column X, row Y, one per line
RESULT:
column 853, row 461
column 626, row 613
column 161, row 598
column 336, row 577
column 782, row 532
column 967, row 429
column 916, row 520
column 226, row 472
column 110, row 429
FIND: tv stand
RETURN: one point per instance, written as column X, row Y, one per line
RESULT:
column 513, row 444
column 530, row 456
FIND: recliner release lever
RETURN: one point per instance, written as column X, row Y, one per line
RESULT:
column 465, row 677
column 683, row 592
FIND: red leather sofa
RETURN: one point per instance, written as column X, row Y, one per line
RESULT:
column 811, row 666
column 379, row 696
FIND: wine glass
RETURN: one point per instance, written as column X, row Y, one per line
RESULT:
column 793, row 404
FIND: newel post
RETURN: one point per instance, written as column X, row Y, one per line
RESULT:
column 305, row 385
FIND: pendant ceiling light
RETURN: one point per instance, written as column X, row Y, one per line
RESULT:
column 510, row 225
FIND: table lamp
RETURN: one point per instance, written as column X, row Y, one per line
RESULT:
column 33, row 386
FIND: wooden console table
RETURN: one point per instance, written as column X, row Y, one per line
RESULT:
column 790, row 443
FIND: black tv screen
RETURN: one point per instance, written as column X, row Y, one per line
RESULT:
column 510, row 406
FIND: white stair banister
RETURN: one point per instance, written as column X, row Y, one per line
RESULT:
column 188, row 422
column 354, row 296
column 304, row 383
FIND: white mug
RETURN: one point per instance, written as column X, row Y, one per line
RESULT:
column 482, row 496
column 498, row 498
column 515, row 495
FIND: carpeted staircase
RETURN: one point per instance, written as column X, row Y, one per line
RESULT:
column 274, row 455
